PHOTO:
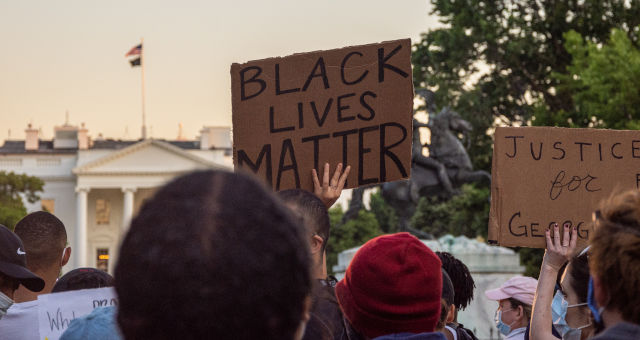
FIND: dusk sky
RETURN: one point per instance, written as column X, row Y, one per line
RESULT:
column 69, row 55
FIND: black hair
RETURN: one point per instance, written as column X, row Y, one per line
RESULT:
column 313, row 212
column 213, row 255
column 460, row 277
column 44, row 238
column 83, row 278
column 448, row 292
column 579, row 272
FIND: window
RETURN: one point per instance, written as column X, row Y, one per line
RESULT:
column 102, row 259
column 48, row 205
column 103, row 211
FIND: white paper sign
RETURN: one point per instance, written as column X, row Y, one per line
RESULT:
column 57, row 310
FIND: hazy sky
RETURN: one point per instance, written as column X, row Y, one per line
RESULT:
column 69, row 55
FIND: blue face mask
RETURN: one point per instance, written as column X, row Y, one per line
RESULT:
column 559, row 308
column 502, row 327
column 591, row 302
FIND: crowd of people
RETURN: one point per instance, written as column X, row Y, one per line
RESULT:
column 217, row 255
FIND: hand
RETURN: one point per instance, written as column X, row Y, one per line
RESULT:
column 330, row 191
column 559, row 252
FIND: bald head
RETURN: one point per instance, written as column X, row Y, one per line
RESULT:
column 44, row 237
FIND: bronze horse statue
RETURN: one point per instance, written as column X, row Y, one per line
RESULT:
column 441, row 174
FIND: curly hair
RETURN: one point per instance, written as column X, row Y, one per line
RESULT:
column 213, row 255
column 463, row 284
column 615, row 252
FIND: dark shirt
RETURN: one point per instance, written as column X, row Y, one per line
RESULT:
column 326, row 322
column 410, row 336
column 621, row 331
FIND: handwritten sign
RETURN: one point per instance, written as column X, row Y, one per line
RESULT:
column 57, row 310
column 351, row 105
column 545, row 175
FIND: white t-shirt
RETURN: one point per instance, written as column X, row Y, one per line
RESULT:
column 21, row 322
column 516, row 334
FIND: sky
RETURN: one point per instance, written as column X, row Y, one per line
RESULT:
column 68, row 56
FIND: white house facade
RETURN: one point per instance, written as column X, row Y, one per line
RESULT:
column 96, row 187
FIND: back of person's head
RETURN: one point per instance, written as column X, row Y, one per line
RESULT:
column 44, row 237
column 460, row 277
column 311, row 209
column 448, row 299
column 213, row 255
column 392, row 285
column 83, row 278
column 615, row 253
column 578, row 271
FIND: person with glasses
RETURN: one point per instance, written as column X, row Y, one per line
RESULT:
column 514, row 298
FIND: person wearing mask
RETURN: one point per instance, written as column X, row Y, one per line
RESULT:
column 569, row 313
column 393, row 290
column 614, row 265
column 514, row 298
column 214, row 255
column 13, row 270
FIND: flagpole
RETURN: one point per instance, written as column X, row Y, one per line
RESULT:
column 142, row 63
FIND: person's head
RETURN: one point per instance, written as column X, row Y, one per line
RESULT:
column 460, row 277
column 614, row 260
column 219, row 253
column 45, row 240
column 315, row 217
column 569, row 309
column 83, row 278
column 392, row 285
column 448, row 309
column 515, row 298
column 13, row 269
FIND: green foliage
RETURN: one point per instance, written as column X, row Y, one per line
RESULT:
column 12, row 188
column 531, row 259
column 604, row 80
column 385, row 214
column 352, row 234
column 464, row 214
column 493, row 61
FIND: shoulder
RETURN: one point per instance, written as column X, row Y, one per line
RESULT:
column 621, row 331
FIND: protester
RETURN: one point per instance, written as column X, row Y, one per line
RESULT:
column 213, row 255
column 13, row 270
column 83, row 278
column 45, row 240
column 614, row 265
column 463, row 294
column 515, row 298
column 392, row 289
column 568, row 312
column 448, row 307
column 329, row 191
column 100, row 324
column 326, row 317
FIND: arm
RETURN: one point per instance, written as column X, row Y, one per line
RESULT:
column 555, row 256
column 330, row 191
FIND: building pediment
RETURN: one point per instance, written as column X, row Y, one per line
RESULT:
column 146, row 157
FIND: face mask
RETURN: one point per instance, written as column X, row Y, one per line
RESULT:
column 591, row 302
column 5, row 303
column 502, row 327
column 559, row 308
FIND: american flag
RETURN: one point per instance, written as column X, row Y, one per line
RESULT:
column 137, row 50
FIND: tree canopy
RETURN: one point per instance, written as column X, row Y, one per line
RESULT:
column 13, row 187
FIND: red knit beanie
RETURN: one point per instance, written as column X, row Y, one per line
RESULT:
column 393, row 285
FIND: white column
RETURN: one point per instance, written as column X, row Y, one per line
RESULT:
column 81, row 227
column 127, row 209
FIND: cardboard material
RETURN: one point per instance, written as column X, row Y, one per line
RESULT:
column 546, row 175
column 57, row 310
column 351, row 105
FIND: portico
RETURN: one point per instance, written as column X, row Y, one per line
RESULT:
column 112, row 187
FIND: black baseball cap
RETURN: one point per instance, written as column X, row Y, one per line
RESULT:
column 13, row 261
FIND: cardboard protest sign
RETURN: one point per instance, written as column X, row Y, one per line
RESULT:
column 546, row 175
column 351, row 105
column 57, row 310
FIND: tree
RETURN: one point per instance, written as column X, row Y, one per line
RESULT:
column 13, row 187
column 464, row 214
column 493, row 61
column 353, row 233
column 384, row 213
